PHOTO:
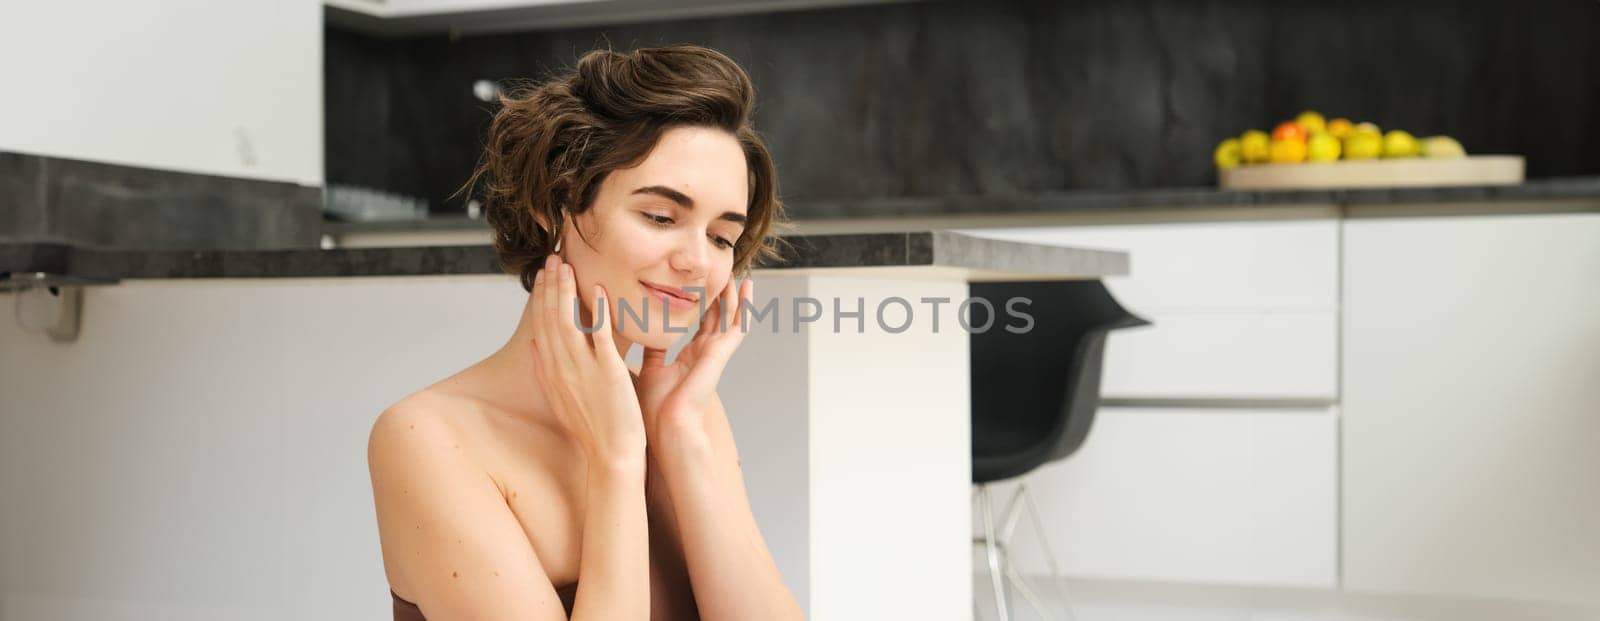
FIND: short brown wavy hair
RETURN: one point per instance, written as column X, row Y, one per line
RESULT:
column 552, row 143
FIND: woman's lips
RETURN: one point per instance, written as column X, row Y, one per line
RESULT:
column 672, row 299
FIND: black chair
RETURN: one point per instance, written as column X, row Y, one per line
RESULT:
column 1034, row 397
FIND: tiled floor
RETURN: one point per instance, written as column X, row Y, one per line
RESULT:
column 1106, row 600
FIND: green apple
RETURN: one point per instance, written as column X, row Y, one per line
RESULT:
column 1322, row 147
column 1398, row 143
column 1363, row 145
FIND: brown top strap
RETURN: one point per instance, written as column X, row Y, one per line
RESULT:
column 407, row 611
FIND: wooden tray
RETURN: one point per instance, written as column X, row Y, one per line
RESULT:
column 1470, row 170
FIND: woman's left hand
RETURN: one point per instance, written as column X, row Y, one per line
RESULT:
column 674, row 397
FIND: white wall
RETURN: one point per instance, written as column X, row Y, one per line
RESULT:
column 227, row 87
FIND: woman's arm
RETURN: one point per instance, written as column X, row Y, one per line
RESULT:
column 689, row 437
column 671, row 594
column 612, row 578
column 591, row 393
column 448, row 536
column 733, row 573
column 447, row 531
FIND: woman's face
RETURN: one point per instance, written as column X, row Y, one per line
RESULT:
column 669, row 223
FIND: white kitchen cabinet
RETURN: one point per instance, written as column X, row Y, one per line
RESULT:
column 1193, row 494
column 1228, row 355
column 1241, row 310
column 414, row 16
column 1211, row 266
column 231, row 88
column 1471, row 405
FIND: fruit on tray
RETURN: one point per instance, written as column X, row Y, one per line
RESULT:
column 1227, row 154
column 1341, row 128
column 1287, row 151
column 1254, row 145
column 1442, row 146
column 1322, row 147
column 1312, row 138
column 1398, row 143
column 1363, row 145
column 1289, row 130
column 1311, row 121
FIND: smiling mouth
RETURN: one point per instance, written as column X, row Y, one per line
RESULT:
column 668, row 293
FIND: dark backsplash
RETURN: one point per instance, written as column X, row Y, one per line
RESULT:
column 100, row 205
column 1008, row 98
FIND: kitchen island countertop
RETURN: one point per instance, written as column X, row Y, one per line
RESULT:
column 923, row 254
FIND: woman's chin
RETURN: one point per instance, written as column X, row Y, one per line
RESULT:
column 656, row 336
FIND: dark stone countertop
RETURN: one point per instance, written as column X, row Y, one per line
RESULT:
column 939, row 254
column 1366, row 201
column 1196, row 198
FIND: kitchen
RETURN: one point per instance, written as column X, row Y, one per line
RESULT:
column 1349, row 403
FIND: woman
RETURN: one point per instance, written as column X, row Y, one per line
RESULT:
column 549, row 480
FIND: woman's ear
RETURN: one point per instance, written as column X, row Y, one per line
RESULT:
column 563, row 231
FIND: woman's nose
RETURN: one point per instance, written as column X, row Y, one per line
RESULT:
column 690, row 258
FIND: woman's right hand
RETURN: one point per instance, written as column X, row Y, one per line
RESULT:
column 588, row 385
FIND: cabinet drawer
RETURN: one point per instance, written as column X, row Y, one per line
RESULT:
column 1211, row 265
column 1196, row 495
column 1259, row 355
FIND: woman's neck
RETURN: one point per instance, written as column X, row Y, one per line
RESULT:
column 511, row 367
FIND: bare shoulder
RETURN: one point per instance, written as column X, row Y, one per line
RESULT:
column 424, row 415
column 450, row 543
column 432, row 426
column 416, row 425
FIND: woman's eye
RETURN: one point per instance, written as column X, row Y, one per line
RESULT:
column 665, row 221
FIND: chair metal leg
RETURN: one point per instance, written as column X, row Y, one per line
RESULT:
column 1008, row 518
column 1015, row 578
column 977, row 612
column 1013, row 575
column 992, row 548
column 1049, row 555
column 997, row 541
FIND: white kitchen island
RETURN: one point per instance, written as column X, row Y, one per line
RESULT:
column 200, row 445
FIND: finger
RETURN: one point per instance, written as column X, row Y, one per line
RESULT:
column 714, row 356
column 712, row 326
column 715, row 314
column 747, row 293
column 547, row 349
column 710, row 350
column 541, row 352
column 550, row 313
column 654, row 358
column 567, row 299
column 602, row 323
column 714, row 319
column 728, row 303
column 536, row 319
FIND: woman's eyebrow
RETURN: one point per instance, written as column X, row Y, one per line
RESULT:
column 683, row 200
